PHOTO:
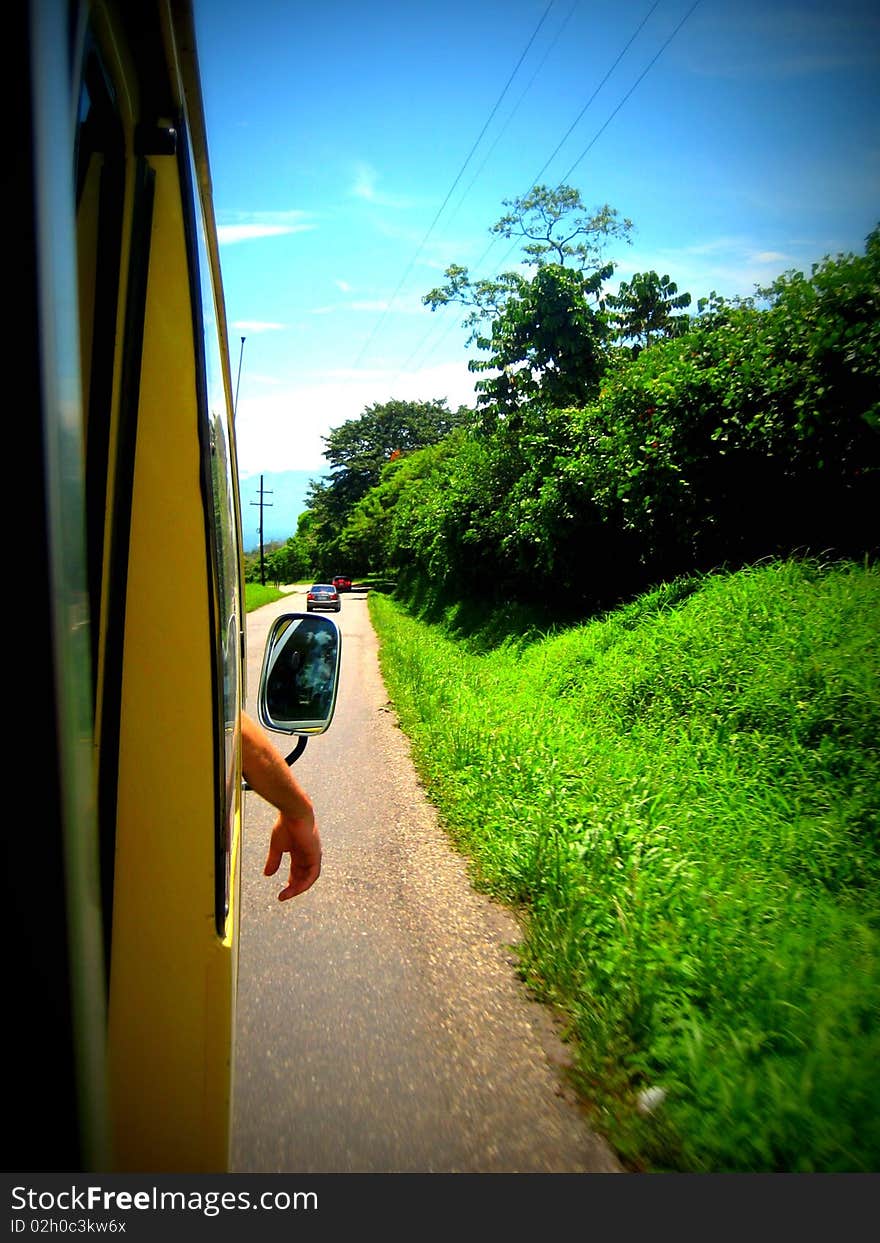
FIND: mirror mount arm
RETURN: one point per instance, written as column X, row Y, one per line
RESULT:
column 297, row 750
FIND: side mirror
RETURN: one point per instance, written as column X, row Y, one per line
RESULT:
column 300, row 675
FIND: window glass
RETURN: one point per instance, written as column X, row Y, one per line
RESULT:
column 223, row 518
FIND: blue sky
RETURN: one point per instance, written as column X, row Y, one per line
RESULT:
column 359, row 149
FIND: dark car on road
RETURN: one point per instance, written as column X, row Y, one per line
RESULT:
column 342, row 582
column 323, row 596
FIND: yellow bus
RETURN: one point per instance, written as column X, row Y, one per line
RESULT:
column 123, row 856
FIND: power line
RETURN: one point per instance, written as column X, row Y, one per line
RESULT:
column 263, row 505
column 450, row 326
column 451, row 190
column 589, row 146
column 583, row 110
column 635, row 84
column 515, row 108
column 547, row 163
column 620, row 57
column 563, row 180
column 581, row 114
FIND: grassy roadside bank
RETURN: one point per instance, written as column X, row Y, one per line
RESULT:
column 258, row 594
column 681, row 800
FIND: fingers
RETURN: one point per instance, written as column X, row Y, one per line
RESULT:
column 279, row 844
column 273, row 860
column 301, row 878
column 305, row 858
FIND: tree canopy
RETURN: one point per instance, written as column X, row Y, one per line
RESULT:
column 556, row 228
column 644, row 309
column 753, row 432
column 543, row 330
column 358, row 449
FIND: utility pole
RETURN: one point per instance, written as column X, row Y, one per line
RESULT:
column 261, row 504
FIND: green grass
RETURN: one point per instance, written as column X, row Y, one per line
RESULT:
column 681, row 801
column 256, row 595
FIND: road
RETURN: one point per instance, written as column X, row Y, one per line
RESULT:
column 381, row 1026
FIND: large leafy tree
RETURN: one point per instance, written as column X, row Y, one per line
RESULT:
column 357, row 451
column 544, row 329
column 359, row 448
column 548, row 342
column 647, row 308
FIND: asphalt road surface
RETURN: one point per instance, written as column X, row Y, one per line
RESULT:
column 381, row 1025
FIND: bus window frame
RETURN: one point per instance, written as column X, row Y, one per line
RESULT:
column 222, row 554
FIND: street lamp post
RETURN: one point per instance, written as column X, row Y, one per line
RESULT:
column 238, row 380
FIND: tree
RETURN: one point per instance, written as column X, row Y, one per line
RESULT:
column 548, row 342
column 643, row 309
column 289, row 563
column 554, row 234
column 545, row 331
column 358, row 450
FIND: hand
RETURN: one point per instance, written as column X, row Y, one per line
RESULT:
column 300, row 839
column 295, row 832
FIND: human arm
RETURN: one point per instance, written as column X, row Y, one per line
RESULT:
column 295, row 831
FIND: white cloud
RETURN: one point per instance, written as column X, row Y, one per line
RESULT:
column 256, row 377
column 436, row 265
column 372, row 306
column 770, row 256
column 364, row 187
column 257, row 325
column 732, row 266
column 343, row 285
column 228, row 234
column 376, row 305
column 246, row 226
column 283, row 430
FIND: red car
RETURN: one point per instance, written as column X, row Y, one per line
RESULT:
column 341, row 583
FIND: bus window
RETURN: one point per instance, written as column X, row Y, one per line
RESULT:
column 222, row 536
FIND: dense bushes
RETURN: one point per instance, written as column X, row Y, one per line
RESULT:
column 755, row 433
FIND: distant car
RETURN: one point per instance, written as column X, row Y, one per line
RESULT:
column 323, row 596
column 342, row 583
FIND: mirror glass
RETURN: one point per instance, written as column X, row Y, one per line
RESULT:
column 300, row 674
